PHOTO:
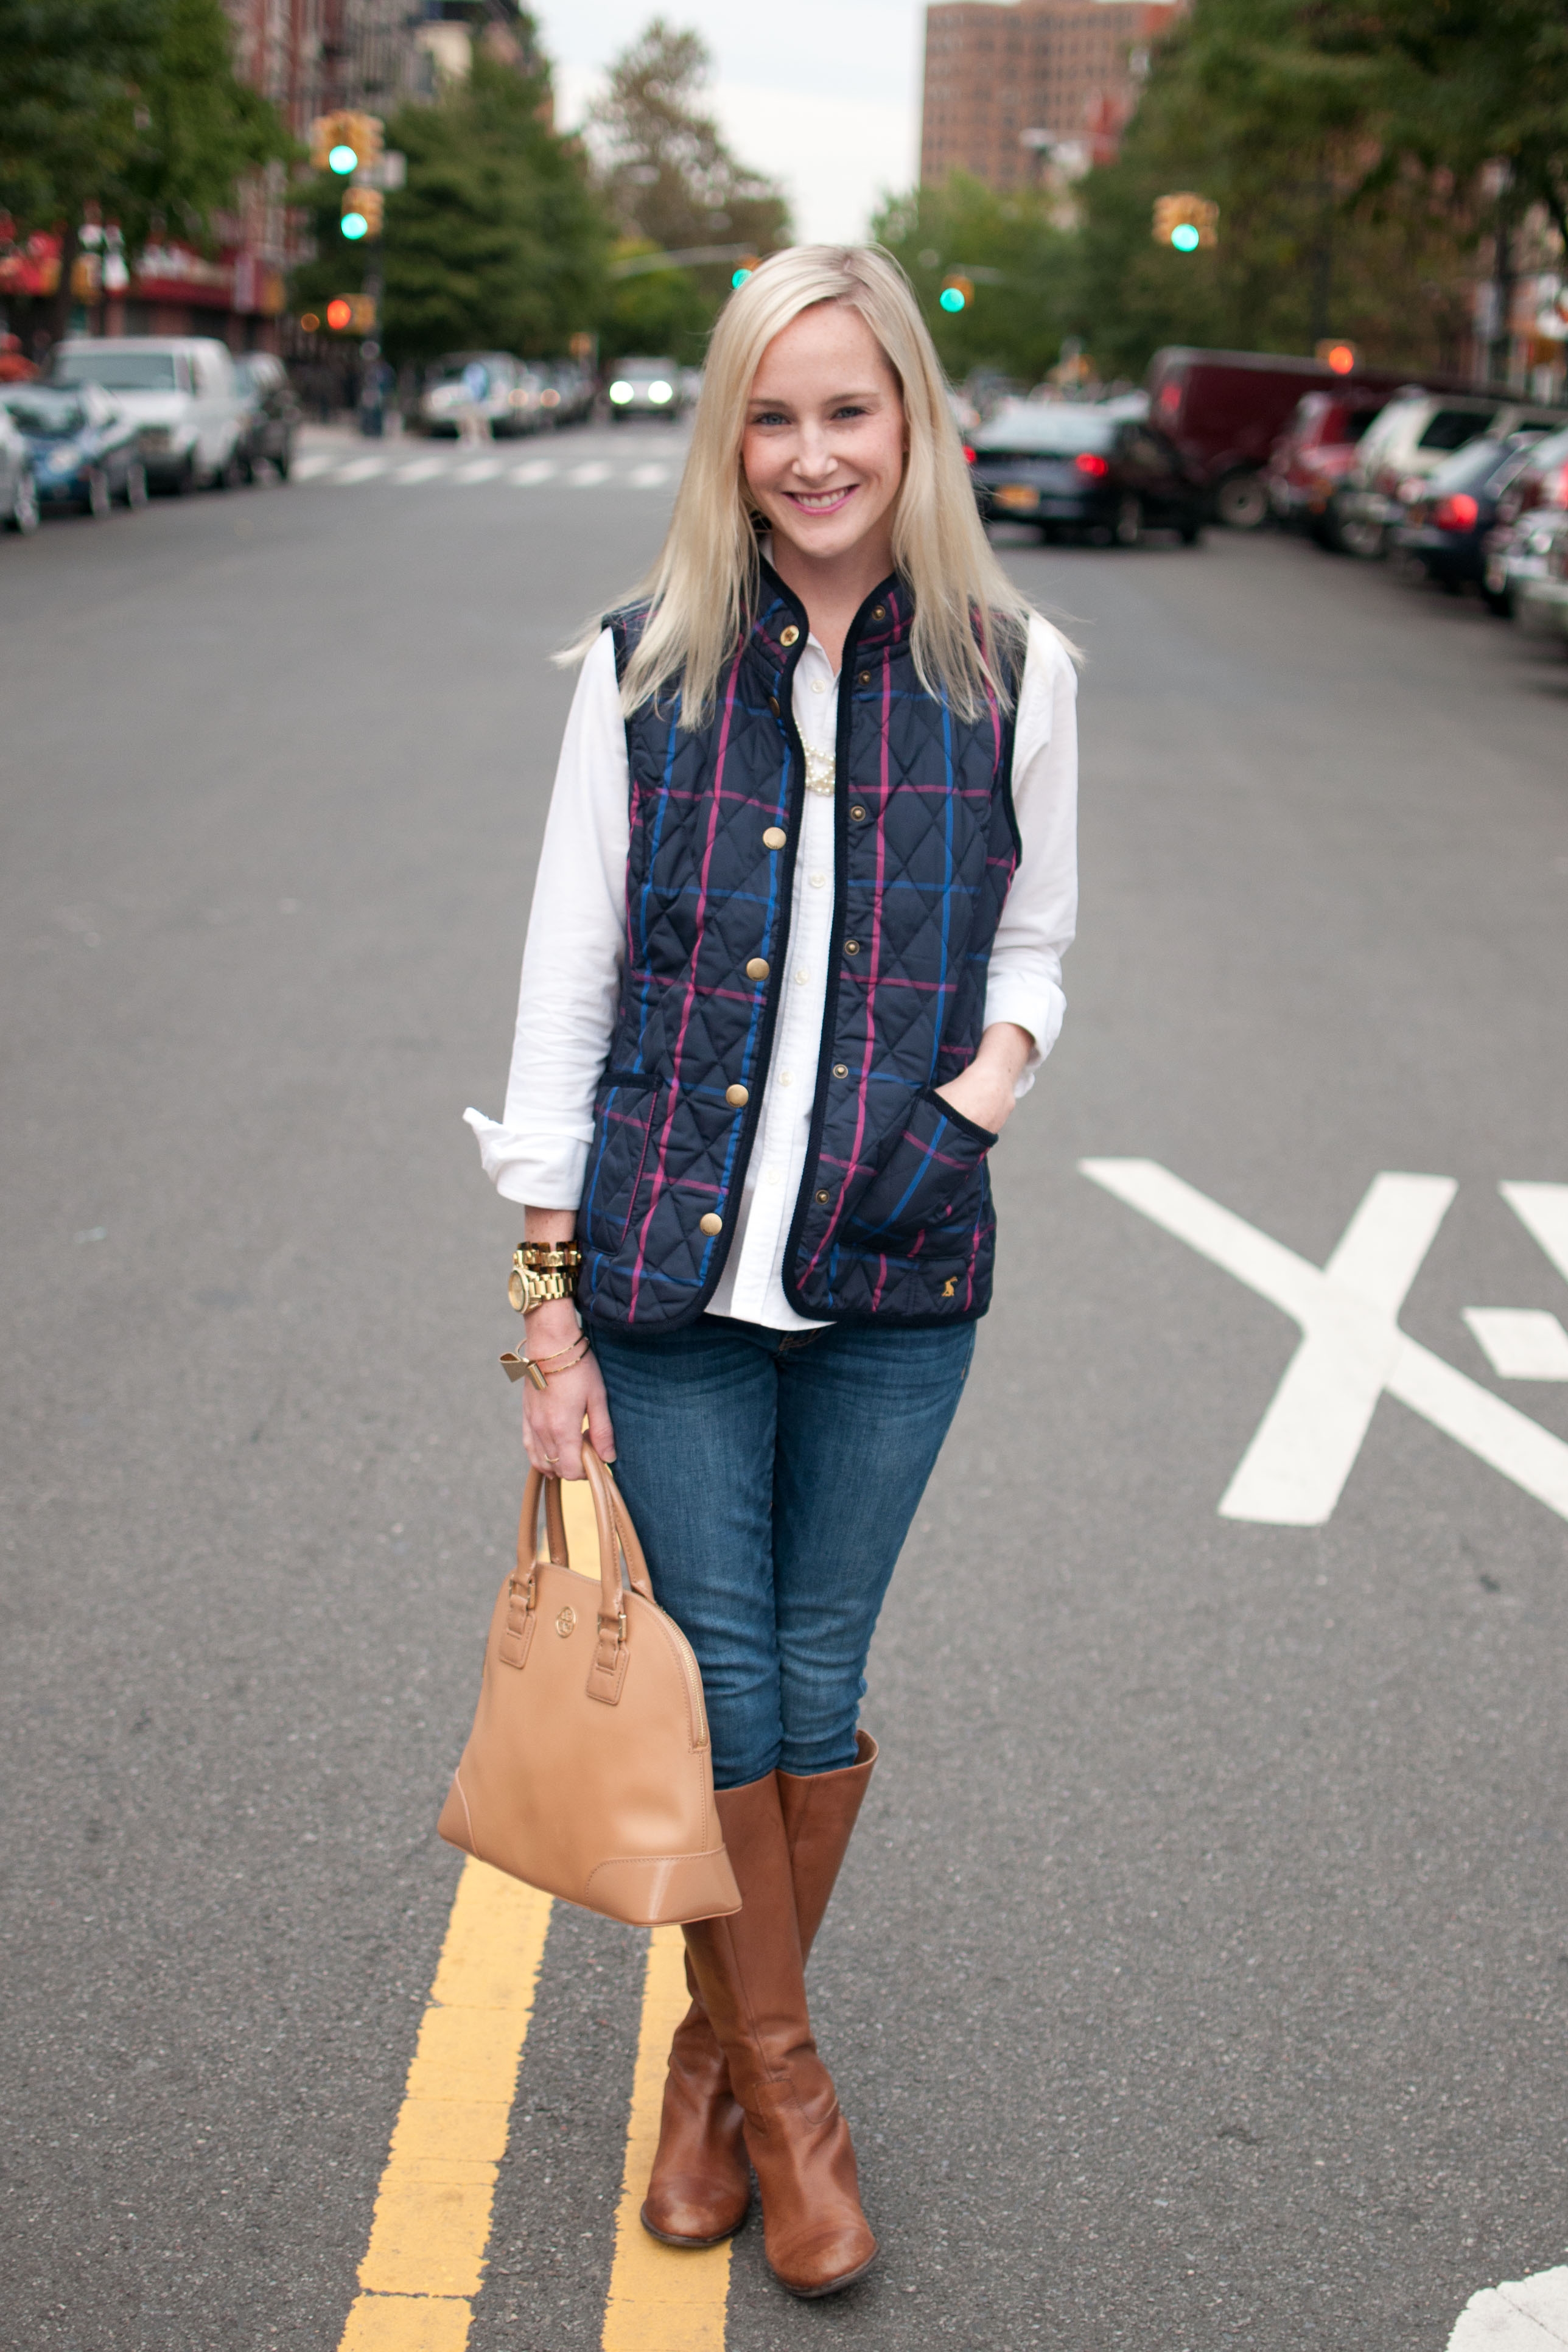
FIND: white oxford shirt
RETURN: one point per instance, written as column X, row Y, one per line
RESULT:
column 576, row 940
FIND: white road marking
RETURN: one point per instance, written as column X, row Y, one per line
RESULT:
column 538, row 470
column 314, row 461
column 583, row 477
column 422, row 469
column 1529, row 2315
column 483, row 470
column 1520, row 1343
column 1543, row 1209
column 648, row 478
column 361, row 469
column 1352, row 1349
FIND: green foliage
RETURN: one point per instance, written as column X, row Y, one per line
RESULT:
column 1017, row 320
column 496, row 242
column 131, row 105
column 674, row 185
column 1345, row 144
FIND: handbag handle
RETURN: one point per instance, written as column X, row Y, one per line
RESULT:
column 613, row 1521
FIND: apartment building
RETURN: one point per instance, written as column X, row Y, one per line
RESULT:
column 1013, row 86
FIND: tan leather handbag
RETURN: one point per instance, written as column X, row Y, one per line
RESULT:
column 588, row 1772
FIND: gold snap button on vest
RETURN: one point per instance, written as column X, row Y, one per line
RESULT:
column 757, row 968
column 856, row 812
column 737, row 1097
column 789, row 636
column 773, row 704
column 841, row 1069
column 851, row 947
column 711, row 1223
column 864, row 677
column 822, row 1198
column 774, row 837
column 878, row 611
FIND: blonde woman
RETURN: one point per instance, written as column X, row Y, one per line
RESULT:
column 794, row 952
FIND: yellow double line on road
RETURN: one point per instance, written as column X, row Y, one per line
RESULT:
column 430, row 2232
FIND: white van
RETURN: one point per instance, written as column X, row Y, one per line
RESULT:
column 182, row 392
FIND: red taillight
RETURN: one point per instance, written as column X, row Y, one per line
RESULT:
column 968, row 455
column 1457, row 512
column 1088, row 462
column 1554, row 491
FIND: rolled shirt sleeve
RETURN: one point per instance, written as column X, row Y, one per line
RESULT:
column 1024, row 982
column 537, row 1151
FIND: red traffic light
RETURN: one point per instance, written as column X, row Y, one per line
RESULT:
column 339, row 311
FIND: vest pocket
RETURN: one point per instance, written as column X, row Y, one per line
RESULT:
column 624, row 1112
column 929, row 1182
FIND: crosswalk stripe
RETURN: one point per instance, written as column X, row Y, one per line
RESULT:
column 661, row 2298
column 423, row 469
column 314, row 461
column 538, row 470
column 583, row 477
column 361, row 469
column 484, row 469
column 648, row 478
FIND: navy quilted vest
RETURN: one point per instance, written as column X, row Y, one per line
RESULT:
column 894, row 1219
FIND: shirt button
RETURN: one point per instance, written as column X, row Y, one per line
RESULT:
column 711, row 1224
column 786, row 1077
column 819, row 881
column 775, row 837
column 817, row 686
column 737, row 1097
column 802, row 976
column 757, row 968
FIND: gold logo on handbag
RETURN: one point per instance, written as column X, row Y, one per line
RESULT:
column 588, row 1772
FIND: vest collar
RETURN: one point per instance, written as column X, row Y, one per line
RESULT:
column 883, row 621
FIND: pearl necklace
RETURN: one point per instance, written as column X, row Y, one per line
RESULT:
column 821, row 771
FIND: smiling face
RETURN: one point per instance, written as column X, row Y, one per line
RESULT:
column 822, row 448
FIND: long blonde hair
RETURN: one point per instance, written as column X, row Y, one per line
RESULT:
column 702, row 590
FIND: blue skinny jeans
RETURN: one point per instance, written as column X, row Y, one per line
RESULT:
column 772, row 1476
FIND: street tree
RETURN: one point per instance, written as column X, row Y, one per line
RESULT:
column 130, row 109
column 1019, row 263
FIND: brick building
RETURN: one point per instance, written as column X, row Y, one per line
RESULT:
column 1011, row 85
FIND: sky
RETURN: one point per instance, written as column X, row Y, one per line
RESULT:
column 830, row 108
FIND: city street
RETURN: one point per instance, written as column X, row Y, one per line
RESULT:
column 1199, row 1976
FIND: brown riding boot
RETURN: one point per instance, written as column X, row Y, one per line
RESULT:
column 752, row 1979
column 701, row 2186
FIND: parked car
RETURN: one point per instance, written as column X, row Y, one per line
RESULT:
column 179, row 388
column 1408, row 442
column 1541, row 596
column 1224, row 411
column 1532, row 511
column 645, row 388
column 1072, row 468
column 87, row 454
column 497, row 387
column 569, row 391
column 18, row 484
column 1313, row 457
column 272, row 414
column 1445, row 519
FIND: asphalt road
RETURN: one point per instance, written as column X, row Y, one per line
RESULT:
column 1200, row 1975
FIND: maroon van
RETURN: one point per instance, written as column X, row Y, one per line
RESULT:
column 1225, row 410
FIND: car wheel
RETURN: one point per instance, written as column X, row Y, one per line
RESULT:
column 247, row 469
column 24, row 514
column 184, row 481
column 135, row 490
column 1241, row 502
column 1129, row 522
column 1362, row 537
column 1192, row 534
column 96, row 501
column 1498, row 601
column 227, row 475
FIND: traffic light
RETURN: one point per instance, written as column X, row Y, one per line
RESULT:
column 1336, row 354
column 743, row 269
column 345, row 142
column 362, row 213
column 1185, row 222
column 957, row 293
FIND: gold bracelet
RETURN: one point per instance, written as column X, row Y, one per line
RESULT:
column 525, row 1368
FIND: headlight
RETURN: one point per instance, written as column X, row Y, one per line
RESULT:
column 62, row 461
column 660, row 391
column 620, row 392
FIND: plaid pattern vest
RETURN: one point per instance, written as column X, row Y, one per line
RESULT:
column 893, row 1220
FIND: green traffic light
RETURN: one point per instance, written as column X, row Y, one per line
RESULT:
column 1186, row 238
column 740, row 277
column 354, row 224
column 342, row 158
column 951, row 298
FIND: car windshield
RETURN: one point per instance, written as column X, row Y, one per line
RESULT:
column 118, row 370
column 51, row 415
column 1054, row 431
column 1451, row 428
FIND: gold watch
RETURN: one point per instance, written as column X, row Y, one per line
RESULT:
column 542, row 1271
